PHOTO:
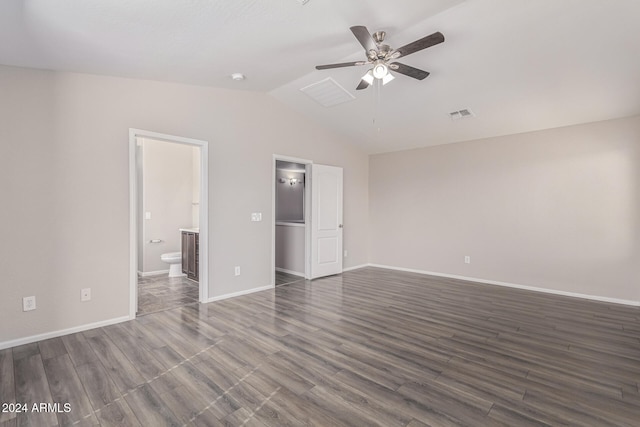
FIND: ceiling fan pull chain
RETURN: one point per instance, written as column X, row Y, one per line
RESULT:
column 377, row 103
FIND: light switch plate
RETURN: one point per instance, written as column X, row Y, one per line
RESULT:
column 147, row 215
column 85, row 294
column 28, row 303
column 256, row 216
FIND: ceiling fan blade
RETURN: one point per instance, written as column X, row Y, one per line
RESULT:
column 423, row 43
column 364, row 37
column 407, row 70
column 362, row 85
column 342, row 64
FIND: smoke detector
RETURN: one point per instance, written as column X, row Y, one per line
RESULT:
column 237, row 77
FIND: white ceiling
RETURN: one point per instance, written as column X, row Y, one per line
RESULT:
column 520, row 65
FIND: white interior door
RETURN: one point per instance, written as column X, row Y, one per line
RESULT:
column 326, row 220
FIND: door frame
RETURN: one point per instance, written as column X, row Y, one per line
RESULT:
column 133, row 212
column 307, row 214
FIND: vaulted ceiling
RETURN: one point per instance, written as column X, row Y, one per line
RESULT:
column 519, row 65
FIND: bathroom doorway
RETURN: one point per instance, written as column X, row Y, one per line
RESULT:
column 168, row 184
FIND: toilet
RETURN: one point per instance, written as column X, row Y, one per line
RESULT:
column 174, row 259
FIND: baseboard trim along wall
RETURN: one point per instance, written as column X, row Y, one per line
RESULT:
column 240, row 293
column 356, row 267
column 513, row 285
column 153, row 273
column 284, row 270
column 62, row 332
column 81, row 328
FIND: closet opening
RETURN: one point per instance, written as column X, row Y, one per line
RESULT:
column 291, row 219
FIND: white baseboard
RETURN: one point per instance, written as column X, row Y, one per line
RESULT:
column 240, row 293
column 295, row 273
column 355, row 267
column 62, row 332
column 284, row 270
column 513, row 285
column 152, row 273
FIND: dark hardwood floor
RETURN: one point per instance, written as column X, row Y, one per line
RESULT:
column 369, row 347
column 158, row 293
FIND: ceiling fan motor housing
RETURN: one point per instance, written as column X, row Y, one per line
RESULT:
column 382, row 52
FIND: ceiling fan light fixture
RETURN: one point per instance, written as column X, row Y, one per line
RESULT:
column 368, row 77
column 386, row 79
column 380, row 70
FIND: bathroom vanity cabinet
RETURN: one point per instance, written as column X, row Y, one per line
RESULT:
column 190, row 254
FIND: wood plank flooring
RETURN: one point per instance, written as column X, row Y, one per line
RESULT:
column 158, row 293
column 369, row 347
column 283, row 278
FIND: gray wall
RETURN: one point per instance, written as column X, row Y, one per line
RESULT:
column 290, row 248
column 556, row 209
column 289, row 198
column 64, row 220
column 195, row 169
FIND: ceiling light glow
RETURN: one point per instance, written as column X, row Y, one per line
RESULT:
column 386, row 79
column 380, row 70
column 368, row 77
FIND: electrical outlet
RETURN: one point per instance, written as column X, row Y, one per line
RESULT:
column 28, row 303
column 237, row 270
column 85, row 294
column 467, row 259
column 256, row 216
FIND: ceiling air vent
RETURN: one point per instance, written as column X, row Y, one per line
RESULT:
column 461, row 114
column 328, row 93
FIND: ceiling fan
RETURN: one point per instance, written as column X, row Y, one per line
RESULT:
column 381, row 56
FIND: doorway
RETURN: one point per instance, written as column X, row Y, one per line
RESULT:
column 312, row 238
column 157, row 219
column 291, row 221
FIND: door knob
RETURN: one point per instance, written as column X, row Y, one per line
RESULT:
column 340, row 226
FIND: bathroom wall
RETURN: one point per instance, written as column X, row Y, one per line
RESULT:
column 195, row 206
column 140, row 207
column 167, row 194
